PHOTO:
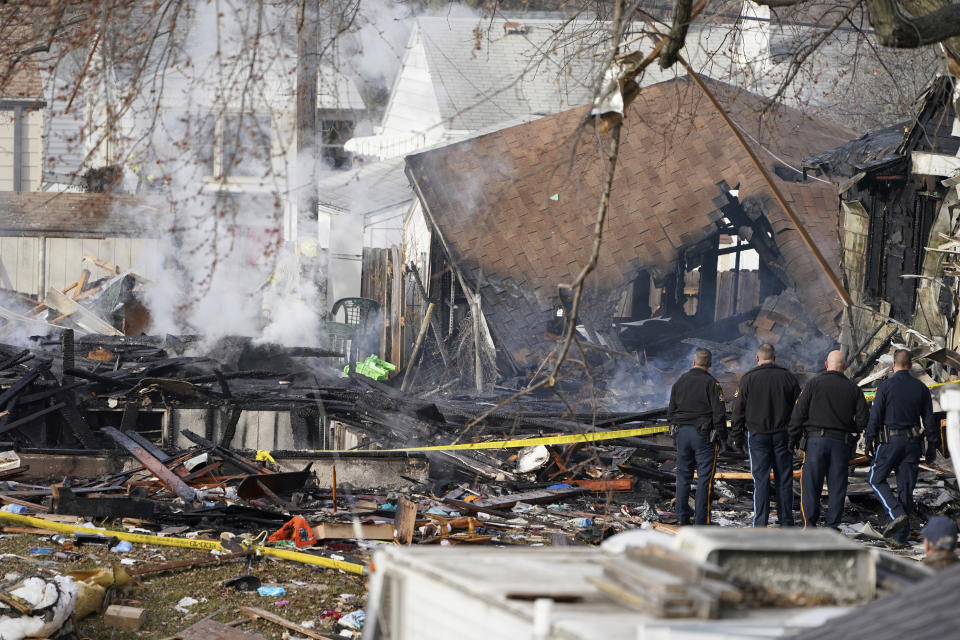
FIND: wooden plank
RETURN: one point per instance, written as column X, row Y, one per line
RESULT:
column 82, row 316
column 254, row 612
column 334, row 530
column 212, row 630
column 658, row 557
column 405, row 520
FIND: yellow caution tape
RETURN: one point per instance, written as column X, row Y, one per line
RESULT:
column 264, row 456
column 870, row 395
column 576, row 438
column 143, row 538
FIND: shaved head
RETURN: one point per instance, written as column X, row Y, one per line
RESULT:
column 835, row 361
column 766, row 353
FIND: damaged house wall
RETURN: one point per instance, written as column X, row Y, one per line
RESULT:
column 894, row 207
column 515, row 208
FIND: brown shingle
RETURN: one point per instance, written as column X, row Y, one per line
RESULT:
column 674, row 150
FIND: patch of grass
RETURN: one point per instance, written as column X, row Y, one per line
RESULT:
column 310, row 590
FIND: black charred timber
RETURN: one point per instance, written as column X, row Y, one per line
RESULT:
column 14, row 360
column 66, row 502
column 28, row 398
column 75, row 420
column 169, row 479
column 67, row 354
column 226, row 454
column 284, row 483
column 26, row 420
column 151, row 448
column 870, row 359
column 17, row 387
column 230, row 428
column 222, row 381
column 120, row 379
column 128, row 421
column 310, row 352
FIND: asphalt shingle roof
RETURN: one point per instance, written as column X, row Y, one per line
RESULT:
column 925, row 610
column 491, row 198
column 75, row 214
column 368, row 188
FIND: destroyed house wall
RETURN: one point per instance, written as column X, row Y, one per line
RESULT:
column 516, row 208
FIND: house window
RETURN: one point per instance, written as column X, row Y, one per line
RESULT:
column 244, row 146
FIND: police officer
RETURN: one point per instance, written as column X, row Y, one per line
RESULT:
column 766, row 397
column 894, row 428
column 829, row 415
column 940, row 542
column 699, row 418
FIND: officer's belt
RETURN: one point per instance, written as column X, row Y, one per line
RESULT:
column 910, row 432
column 836, row 434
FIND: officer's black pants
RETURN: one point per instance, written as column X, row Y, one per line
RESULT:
column 824, row 458
column 771, row 451
column 694, row 451
column 903, row 454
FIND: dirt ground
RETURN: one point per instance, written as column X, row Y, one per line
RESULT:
column 313, row 594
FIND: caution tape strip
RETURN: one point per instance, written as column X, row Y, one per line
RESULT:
column 576, row 438
column 187, row 543
column 870, row 395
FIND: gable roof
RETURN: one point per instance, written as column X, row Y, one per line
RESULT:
column 490, row 199
column 483, row 72
column 22, row 82
column 367, row 189
column 927, row 609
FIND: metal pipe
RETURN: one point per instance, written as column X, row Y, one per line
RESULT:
column 42, row 269
column 807, row 240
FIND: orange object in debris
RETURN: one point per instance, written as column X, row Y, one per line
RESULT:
column 101, row 354
column 296, row 529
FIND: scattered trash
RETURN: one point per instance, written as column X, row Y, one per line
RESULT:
column 354, row 619
column 272, row 592
column 121, row 547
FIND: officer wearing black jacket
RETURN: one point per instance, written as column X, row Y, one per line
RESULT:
column 829, row 415
column 764, row 402
column 699, row 418
column 900, row 404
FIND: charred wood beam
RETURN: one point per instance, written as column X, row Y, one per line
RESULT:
column 43, row 395
column 167, row 477
column 18, row 386
column 230, row 426
column 30, row 418
column 67, row 502
column 151, row 448
column 128, row 420
column 13, row 361
column 121, row 380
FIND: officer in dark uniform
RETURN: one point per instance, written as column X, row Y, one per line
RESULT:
column 763, row 406
column 830, row 414
column 894, row 428
column 699, row 418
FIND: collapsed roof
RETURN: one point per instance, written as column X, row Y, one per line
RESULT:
column 515, row 209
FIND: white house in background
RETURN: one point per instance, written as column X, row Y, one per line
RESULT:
column 21, row 102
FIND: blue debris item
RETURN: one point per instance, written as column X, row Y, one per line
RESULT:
column 373, row 367
column 583, row 523
column 41, row 551
column 122, row 547
column 14, row 508
column 388, row 506
column 354, row 619
column 271, row 591
column 560, row 486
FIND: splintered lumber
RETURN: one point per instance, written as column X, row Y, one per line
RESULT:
column 169, row 479
column 194, row 562
column 655, row 592
column 405, row 520
column 530, row 497
column 85, row 318
column 30, row 418
column 601, row 486
column 254, row 612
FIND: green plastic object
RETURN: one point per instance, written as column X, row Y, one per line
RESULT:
column 373, row 367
